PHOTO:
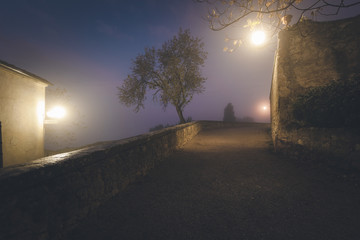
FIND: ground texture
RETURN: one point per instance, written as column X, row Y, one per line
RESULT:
column 227, row 184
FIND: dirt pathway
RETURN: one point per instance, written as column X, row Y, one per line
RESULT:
column 226, row 184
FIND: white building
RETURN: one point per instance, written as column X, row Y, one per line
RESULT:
column 22, row 107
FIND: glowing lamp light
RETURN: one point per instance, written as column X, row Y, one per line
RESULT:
column 263, row 111
column 263, row 108
column 56, row 112
column 258, row 38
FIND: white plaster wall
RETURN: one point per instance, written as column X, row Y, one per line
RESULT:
column 22, row 106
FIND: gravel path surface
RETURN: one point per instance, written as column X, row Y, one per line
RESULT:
column 227, row 184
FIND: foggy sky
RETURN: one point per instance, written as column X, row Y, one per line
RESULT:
column 87, row 48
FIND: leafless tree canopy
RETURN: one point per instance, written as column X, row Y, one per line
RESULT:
column 270, row 14
column 224, row 13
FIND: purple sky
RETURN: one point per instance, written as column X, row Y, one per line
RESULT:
column 87, row 48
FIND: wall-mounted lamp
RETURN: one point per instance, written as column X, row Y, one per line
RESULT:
column 54, row 114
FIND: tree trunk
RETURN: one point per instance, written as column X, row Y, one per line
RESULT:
column 180, row 114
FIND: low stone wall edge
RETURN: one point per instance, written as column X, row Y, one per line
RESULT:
column 340, row 147
column 78, row 181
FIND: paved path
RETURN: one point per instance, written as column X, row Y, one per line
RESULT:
column 227, row 184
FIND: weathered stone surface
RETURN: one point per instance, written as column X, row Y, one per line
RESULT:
column 312, row 54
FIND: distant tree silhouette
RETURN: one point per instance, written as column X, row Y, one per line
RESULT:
column 229, row 115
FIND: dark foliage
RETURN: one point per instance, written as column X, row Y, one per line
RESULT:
column 229, row 115
column 189, row 119
column 159, row 127
column 246, row 119
column 336, row 105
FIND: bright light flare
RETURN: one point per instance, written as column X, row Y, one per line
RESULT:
column 258, row 38
column 56, row 112
column 263, row 111
column 263, row 108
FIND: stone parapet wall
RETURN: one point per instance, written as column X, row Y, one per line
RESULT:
column 220, row 124
column 43, row 198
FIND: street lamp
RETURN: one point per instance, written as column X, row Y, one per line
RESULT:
column 258, row 37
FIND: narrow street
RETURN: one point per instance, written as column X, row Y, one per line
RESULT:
column 228, row 184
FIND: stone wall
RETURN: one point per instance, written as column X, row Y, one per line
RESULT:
column 46, row 197
column 312, row 54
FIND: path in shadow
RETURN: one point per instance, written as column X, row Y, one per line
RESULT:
column 227, row 184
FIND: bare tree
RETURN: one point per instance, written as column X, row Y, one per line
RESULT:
column 172, row 73
column 272, row 15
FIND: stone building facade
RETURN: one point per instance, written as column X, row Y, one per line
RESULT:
column 312, row 54
column 22, row 107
